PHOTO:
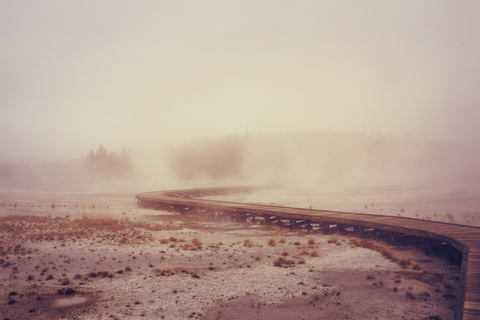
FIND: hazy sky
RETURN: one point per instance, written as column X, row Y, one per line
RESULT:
column 74, row 74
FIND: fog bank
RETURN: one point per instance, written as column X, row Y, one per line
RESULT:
column 318, row 159
column 312, row 160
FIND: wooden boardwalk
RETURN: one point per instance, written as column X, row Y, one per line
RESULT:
column 463, row 241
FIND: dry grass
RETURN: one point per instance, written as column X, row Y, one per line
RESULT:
column 382, row 250
column 272, row 242
column 100, row 274
column 20, row 229
column 197, row 243
column 314, row 254
column 283, row 263
column 247, row 243
column 332, row 240
column 404, row 263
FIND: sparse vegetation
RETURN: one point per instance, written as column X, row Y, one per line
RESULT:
column 332, row 240
column 382, row 250
column 248, row 243
column 139, row 246
column 197, row 243
column 282, row 262
column 272, row 242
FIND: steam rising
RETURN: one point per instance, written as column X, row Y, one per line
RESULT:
column 303, row 161
column 319, row 159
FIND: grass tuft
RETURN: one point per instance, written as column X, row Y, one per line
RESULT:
column 247, row 243
column 283, row 263
column 272, row 242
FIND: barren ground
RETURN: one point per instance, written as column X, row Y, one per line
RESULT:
column 98, row 256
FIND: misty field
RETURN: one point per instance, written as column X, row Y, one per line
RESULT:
column 99, row 256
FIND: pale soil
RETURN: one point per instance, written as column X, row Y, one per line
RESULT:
column 184, row 267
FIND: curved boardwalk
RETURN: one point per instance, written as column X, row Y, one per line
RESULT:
column 462, row 242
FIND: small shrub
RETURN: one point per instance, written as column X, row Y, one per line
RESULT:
column 105, row 274
column 70, row 291
column 314, row 254
column 282, row 262
column 272, row 242
column 30, row 277
column 127, row 268
column 404, row 263
column 247, row 243
column 311, row 241
column 197, row 243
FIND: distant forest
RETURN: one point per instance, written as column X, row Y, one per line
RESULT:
column 97, row 166
column 107, row 163
column 301, row 159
